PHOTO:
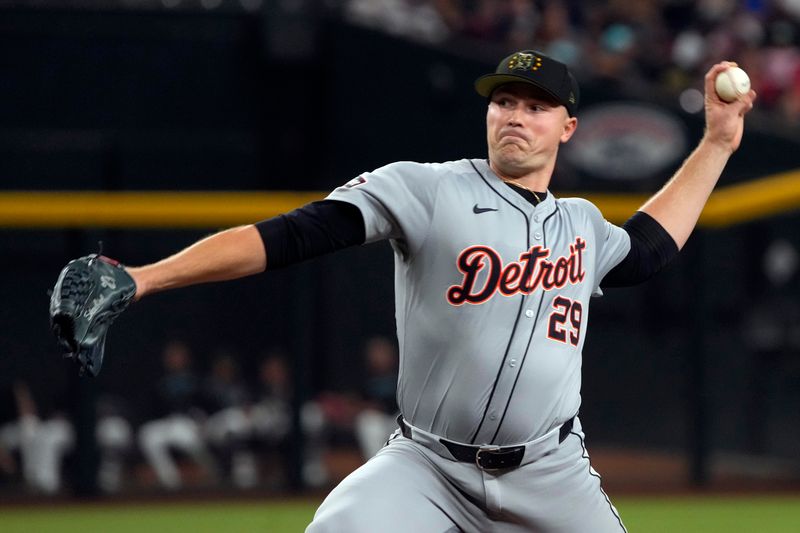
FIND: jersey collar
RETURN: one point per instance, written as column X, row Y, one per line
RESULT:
column 544, row 208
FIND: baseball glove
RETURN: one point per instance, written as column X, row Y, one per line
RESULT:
column 89, row 294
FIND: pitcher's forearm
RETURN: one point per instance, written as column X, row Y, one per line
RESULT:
column 677, row 206
column 230, row 254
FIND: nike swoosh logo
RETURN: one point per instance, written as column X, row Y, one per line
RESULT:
column 478, row 210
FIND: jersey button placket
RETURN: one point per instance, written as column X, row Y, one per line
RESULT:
column 537, row 227
column 518, row 347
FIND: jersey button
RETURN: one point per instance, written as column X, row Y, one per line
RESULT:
column 512, row 363
column 529, row 313
column 536, row 218
column 492, row 416
column 537, row 236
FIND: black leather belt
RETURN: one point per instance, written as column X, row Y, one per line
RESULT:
column 490, row 457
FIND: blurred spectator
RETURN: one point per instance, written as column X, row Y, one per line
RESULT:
column 327, row 419
column 270, row 414
column 228, row 426
column 563, row 42
column 176, row 424
column 523, row 23
column 365, row 417
column 223, row 388
column 377, row 418
column 41, row 443
column 115, row 440
column 417, row 19
column 271, row 411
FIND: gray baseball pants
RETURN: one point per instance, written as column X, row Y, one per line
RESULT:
column 407, row 487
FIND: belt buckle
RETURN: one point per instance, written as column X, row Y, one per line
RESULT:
column 478, row 457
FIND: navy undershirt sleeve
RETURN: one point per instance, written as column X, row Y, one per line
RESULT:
column 328, row 225
column 315, row 229
column 652, row 248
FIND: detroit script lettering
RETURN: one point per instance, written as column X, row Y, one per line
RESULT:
column 533, row 270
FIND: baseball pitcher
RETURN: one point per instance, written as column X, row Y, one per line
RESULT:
column 493, row 281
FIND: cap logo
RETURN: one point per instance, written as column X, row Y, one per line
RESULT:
column 571, row 97
column 523, row 61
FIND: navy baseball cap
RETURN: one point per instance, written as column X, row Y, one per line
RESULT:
column 530, row 66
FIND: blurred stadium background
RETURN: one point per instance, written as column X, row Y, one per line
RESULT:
column 146, row 124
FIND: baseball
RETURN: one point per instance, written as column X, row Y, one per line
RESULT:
column 732, row 83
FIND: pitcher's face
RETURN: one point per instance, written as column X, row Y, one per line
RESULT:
column 524, row 128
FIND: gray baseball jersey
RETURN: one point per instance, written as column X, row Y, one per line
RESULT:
column 492, row 296
column 492, row 306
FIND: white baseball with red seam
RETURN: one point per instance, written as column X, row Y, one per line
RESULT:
column 732, row 83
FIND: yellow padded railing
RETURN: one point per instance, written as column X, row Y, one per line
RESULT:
column 729, row 205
